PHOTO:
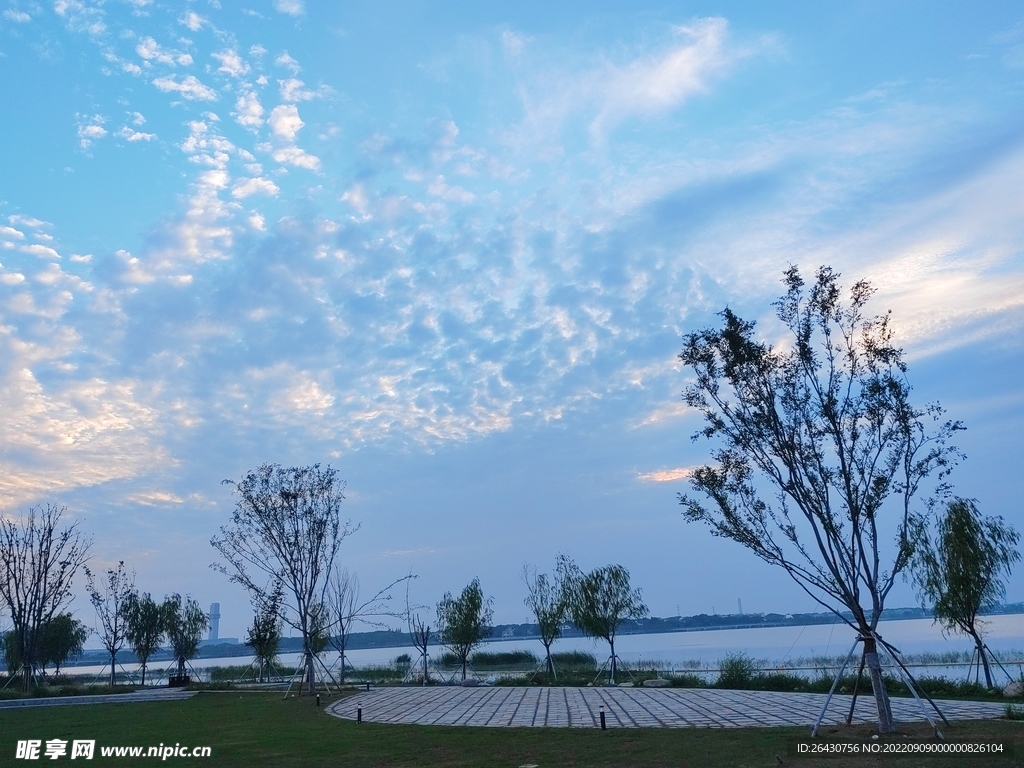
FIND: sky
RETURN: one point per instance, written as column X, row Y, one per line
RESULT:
column 451, row 249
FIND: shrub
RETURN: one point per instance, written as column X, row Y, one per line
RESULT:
column 505, row 659
column 736, row 671
column 574, row 659
column 687, row 680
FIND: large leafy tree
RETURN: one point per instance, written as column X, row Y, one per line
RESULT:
column 63, row 638
column 598, row 602
column 110, row 599
column 184, row 622
column 819, row 452
column 464, row 621
column 145, row 627
column 286, row 530
column 959, row 570
column 546, row 598
column 39, row 559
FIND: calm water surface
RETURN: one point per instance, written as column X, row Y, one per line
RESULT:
column 675, row 650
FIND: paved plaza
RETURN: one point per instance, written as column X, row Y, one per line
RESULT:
column 627, row 707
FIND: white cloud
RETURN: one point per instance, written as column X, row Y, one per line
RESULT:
column 287, row 62
column 284, row 120
column 90, row 129
column 666, row 475
column 18, row 17
column 42, row 251
column 243, row 188
column 137, row 118
column 193, row 21
column 439, row 188
column 291, row 90
column 292, row 155
column 249, row 111
column 231, row 63
column 28, row 221
column 189, row 87
column 11, row 233
column 132, row 135
column 290, row 7
column 149, row 50
column 257, row 50
column 79, row 434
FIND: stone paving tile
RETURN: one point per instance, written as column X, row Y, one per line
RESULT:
column 627, row 707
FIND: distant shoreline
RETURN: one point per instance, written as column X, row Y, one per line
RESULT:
column 504, row 632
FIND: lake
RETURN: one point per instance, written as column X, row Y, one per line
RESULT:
column 678, row 650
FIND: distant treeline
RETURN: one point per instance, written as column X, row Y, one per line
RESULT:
column 398, row 639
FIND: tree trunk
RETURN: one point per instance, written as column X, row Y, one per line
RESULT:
column 113, row 669
column 885, row 722
column 424, row 666
column 551, row 665
column 463, row 669
column 26, row 677
column 984, row 659
column 143, row 673
column 310, row 674
column 611, row 643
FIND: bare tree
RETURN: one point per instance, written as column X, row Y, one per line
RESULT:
column 598, row 602
column 959, row 571
column 286, row 529
column 464, row 621
column 546, row 599
column 111, row 606
column 145, row 627
column 38, row 564
column 346, row 609
column 185, row 623
column 419, row 631
column 824, row 425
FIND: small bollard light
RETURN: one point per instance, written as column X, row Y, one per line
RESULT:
column 603, row 727
column 359, row 715
column 318, row 701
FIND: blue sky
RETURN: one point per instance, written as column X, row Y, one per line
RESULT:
column 451, row 248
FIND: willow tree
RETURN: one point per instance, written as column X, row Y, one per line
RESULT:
column 464, row 621
column 145, row 621
column 184, row 622
column 960, row 570
column 818, row 452
column 599, row 602
column 285, row 531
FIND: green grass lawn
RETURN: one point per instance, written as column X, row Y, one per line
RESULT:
column 250, row 729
